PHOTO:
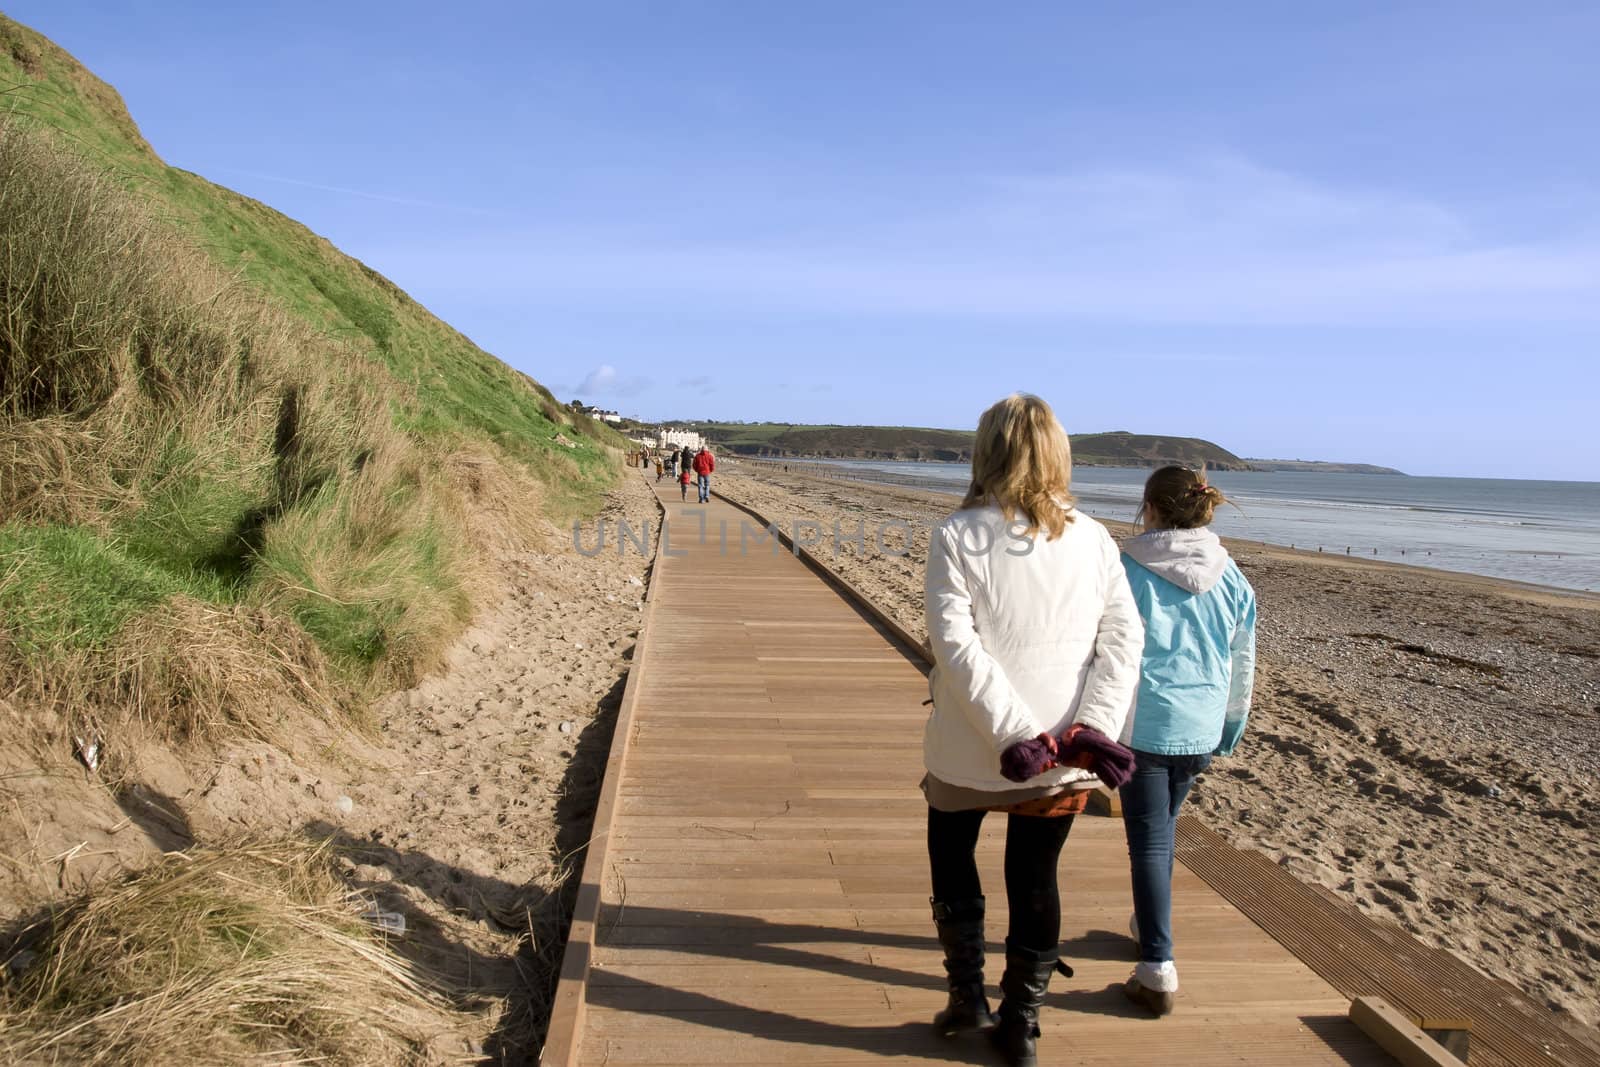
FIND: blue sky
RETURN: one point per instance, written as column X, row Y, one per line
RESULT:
column 1362, row 232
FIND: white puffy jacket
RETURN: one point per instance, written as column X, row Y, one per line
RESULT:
column 1029, row 635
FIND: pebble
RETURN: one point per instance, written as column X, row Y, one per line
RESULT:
column 345, row 805
column 565, row 727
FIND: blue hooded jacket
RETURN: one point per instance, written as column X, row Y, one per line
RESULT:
column 1199, row 644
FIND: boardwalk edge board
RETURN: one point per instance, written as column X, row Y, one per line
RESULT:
column 564, row 1037
column 918, row 651
column 1398, row 1036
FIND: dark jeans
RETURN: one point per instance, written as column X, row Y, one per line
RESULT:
column 1150, row 804
column 1033, row 848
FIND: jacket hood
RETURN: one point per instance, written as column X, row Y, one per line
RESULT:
column 1190, row 559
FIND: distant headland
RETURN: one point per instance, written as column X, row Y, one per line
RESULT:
column 1116, row 448
column 1310, row 466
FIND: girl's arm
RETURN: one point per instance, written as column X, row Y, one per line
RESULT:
column 962, row 662
column 1242, row 681
column 1113, row 678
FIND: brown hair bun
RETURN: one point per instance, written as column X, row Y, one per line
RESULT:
column 1180, row 499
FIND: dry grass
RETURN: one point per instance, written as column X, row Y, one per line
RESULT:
column 510, row 509
column 190, row 671
column 251, row 954
column 209, row 512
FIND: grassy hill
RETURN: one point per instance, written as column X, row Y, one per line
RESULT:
column 1118, row 449
column 866, row 442
column 454, row 388
column 209, row 412
column 1308, row 466
column 1123, row 449
column 246, row 485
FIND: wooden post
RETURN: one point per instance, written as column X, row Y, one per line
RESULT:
column 1407, row 1042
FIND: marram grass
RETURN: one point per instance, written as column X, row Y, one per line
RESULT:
column 189, row 477
column 251, row 954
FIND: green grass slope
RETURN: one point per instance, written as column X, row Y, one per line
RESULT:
column 237, row 467
column 1123, row 449
column 459, row 390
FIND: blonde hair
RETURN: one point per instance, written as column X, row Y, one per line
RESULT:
column 1022, row 462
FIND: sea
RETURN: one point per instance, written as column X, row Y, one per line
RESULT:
column 1539, row 532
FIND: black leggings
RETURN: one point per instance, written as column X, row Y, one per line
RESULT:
column 1033, row 849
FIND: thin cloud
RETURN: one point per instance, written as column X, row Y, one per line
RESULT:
column 1211, row 240
column 364, row 194
column 605, row 380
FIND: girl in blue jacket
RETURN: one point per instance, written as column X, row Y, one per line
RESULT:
column 1194, row 695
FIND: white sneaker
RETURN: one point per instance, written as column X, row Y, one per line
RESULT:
column 1160, row 977
column 1154, row 986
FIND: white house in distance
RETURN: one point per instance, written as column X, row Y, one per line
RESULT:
column 680, row 439
column 595, row 413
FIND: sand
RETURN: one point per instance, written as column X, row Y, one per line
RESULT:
column 1423, row 744
column 463, row 814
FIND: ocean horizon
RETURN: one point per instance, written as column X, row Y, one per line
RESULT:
column 1527, row 530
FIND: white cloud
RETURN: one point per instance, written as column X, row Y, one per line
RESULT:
column 605, row 380
column 1205, row 240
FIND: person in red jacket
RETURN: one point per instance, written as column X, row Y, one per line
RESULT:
column 703, row 466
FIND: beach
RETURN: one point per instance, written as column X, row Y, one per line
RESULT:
column 1422, row 744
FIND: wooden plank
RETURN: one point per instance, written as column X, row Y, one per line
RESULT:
column 1398, row 1035
column 903, row 637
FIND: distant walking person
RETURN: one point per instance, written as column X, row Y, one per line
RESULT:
column 683, row 480
column 661, row 468
column 704, row 464
column 1198, row 667
column 685, row 458
column 1036, row 646
column 672, row 464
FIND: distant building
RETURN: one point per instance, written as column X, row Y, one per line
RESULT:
column 594, row 413
column 680, row 439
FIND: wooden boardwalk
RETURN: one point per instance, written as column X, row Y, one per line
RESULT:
column 761, row 873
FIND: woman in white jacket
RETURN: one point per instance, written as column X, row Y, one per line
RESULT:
column 1036, row 643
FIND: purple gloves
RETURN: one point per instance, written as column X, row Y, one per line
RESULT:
column 1081, row 746
column 1084, row 746
column 1025, row 759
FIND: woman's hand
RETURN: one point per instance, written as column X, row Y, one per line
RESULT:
column 1030, row 758
column 1086, row 747
column 1081, row 746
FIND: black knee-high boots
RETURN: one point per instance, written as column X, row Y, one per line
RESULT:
column 1026, row 977
column 960, row 924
